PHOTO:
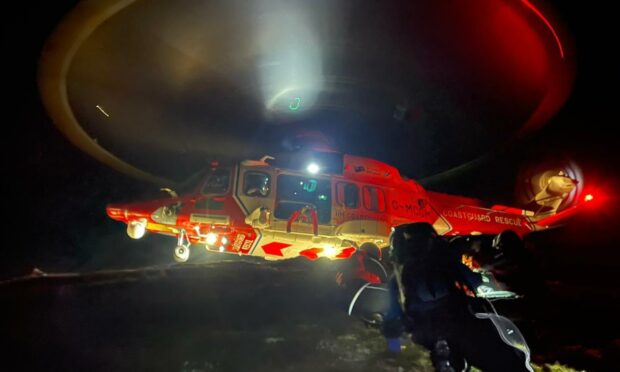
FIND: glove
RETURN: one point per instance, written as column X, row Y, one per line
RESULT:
column 483, row 290
column 393, row 345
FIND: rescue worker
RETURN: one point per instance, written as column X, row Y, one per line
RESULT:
column 427, row 298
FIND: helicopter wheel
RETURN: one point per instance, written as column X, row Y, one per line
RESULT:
column 181, row 254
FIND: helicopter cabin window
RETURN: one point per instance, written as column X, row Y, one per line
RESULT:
column 348, row 194
column 374, row 199
column 295, row 193
column 257, row 184
column 217, row 182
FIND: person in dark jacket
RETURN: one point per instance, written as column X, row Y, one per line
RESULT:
column 428, row 298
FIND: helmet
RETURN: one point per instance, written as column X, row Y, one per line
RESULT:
column 508, row 245
column 409, row 240
column 506, row 239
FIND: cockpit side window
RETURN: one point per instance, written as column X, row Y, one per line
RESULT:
column 193, row 183
column 374, row 199
column 257, row 184
column 348, row 194
column 217, row 182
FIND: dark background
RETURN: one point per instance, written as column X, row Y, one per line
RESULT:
column 56, row 195
column 59, row 193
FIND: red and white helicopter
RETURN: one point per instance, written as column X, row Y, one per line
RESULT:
column 325, row 204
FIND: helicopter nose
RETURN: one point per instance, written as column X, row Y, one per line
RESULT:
column 116, row 212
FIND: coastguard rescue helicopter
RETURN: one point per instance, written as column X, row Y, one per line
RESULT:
column 324, row 204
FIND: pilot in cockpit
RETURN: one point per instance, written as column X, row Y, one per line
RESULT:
column 257, row 185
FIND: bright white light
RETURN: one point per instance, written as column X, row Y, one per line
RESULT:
column 313, row 168
column 224, row 240
column 211, row 238
column 136, row 228
column 221, row 248
column 288, row 42
column 329, row 251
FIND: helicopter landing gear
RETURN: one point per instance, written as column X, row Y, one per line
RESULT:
column 181, row 252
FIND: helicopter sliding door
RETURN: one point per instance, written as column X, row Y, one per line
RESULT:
column 304, row 204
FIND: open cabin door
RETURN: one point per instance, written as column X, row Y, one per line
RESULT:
column 303, row 205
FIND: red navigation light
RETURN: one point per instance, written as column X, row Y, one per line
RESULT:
column 588, row 197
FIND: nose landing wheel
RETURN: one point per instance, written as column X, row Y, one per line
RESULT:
column 181, row 252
